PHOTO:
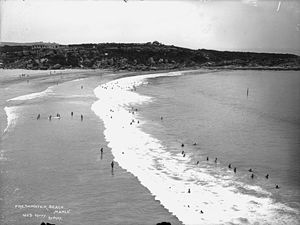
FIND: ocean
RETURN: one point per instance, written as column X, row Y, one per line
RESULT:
column 180, row 133
column 175, row 139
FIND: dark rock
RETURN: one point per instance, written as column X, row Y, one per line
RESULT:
column 164, row 223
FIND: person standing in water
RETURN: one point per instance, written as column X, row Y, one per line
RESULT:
column 81, row 117
column 247, row 92
column 112, row 164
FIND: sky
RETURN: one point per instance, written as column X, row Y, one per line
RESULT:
column 236, row 25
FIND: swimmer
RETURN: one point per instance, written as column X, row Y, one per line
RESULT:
column 207, row 158
column 229, row 166
column 182, row 145
column 277, row 187
column 267, row 176
column 250, row 170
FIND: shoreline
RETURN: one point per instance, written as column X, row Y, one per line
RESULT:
column 127, row 144
column 124, row 75
column 130, row 187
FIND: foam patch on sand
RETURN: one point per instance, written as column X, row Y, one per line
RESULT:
column 181, row 187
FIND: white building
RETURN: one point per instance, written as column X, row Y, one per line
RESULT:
column 40, row 46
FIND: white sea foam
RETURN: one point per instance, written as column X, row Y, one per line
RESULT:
column 11, row 115
column 168, row 176
column 32, row 95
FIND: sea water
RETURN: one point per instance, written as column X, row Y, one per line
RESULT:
column 53, row 170
column 181, row 134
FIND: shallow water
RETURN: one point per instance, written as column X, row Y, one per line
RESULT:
column 258, row 131
column 53, row 171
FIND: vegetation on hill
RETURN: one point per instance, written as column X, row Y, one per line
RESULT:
column 148, row 56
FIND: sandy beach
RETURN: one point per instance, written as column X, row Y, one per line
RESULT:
column 53, row 171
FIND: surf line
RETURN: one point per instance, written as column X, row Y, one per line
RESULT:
column 32, row 95
column 190, row 193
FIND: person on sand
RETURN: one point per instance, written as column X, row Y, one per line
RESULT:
column 101, row 153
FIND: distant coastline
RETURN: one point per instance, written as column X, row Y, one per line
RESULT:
column 151, row 56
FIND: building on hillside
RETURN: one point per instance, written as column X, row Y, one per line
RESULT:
column 40, row 46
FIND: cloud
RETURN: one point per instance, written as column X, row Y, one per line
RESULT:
column 250, row 2
column 278, row 7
